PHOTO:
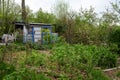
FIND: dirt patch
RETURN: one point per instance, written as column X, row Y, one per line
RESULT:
column 46, row 52
column 11, row 57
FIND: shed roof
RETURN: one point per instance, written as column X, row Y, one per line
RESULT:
column 32, row 24
column 40, row 24
column 19, row 23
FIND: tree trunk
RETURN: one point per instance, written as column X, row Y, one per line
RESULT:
column 23, row 11
column 3, row 8
column 0, row 6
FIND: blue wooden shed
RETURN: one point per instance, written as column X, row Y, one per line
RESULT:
column 33, row 31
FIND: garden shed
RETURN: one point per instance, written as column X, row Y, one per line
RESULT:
column 34, row 32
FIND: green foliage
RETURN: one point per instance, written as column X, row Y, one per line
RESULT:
column 87, row 16
column 10, row 11
column 76, row 62
column 118, row 74
column 13, row 47
column 83, row 58
column 47, row 37
column 36, row 59
column 98, row 75
column 109, row 18
column 66, row 61
column 25, row 74
column 5, row 69
column 44, row 17
column 115, row 36
column 60, row 41
column 36, row 46
column 61, row 11
column 82, row 27
column 107, row 60
column 92, row 55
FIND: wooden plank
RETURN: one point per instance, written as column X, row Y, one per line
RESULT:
column 111, row 69
column 2, row 44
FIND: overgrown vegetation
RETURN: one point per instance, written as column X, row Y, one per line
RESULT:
column 63, row 61
column 87, row 44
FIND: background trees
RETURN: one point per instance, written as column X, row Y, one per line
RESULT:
column 61, row 11
column 9, row 12
column 44, row 17
column 85, row 26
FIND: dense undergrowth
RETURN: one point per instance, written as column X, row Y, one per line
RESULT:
column 63, row 62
